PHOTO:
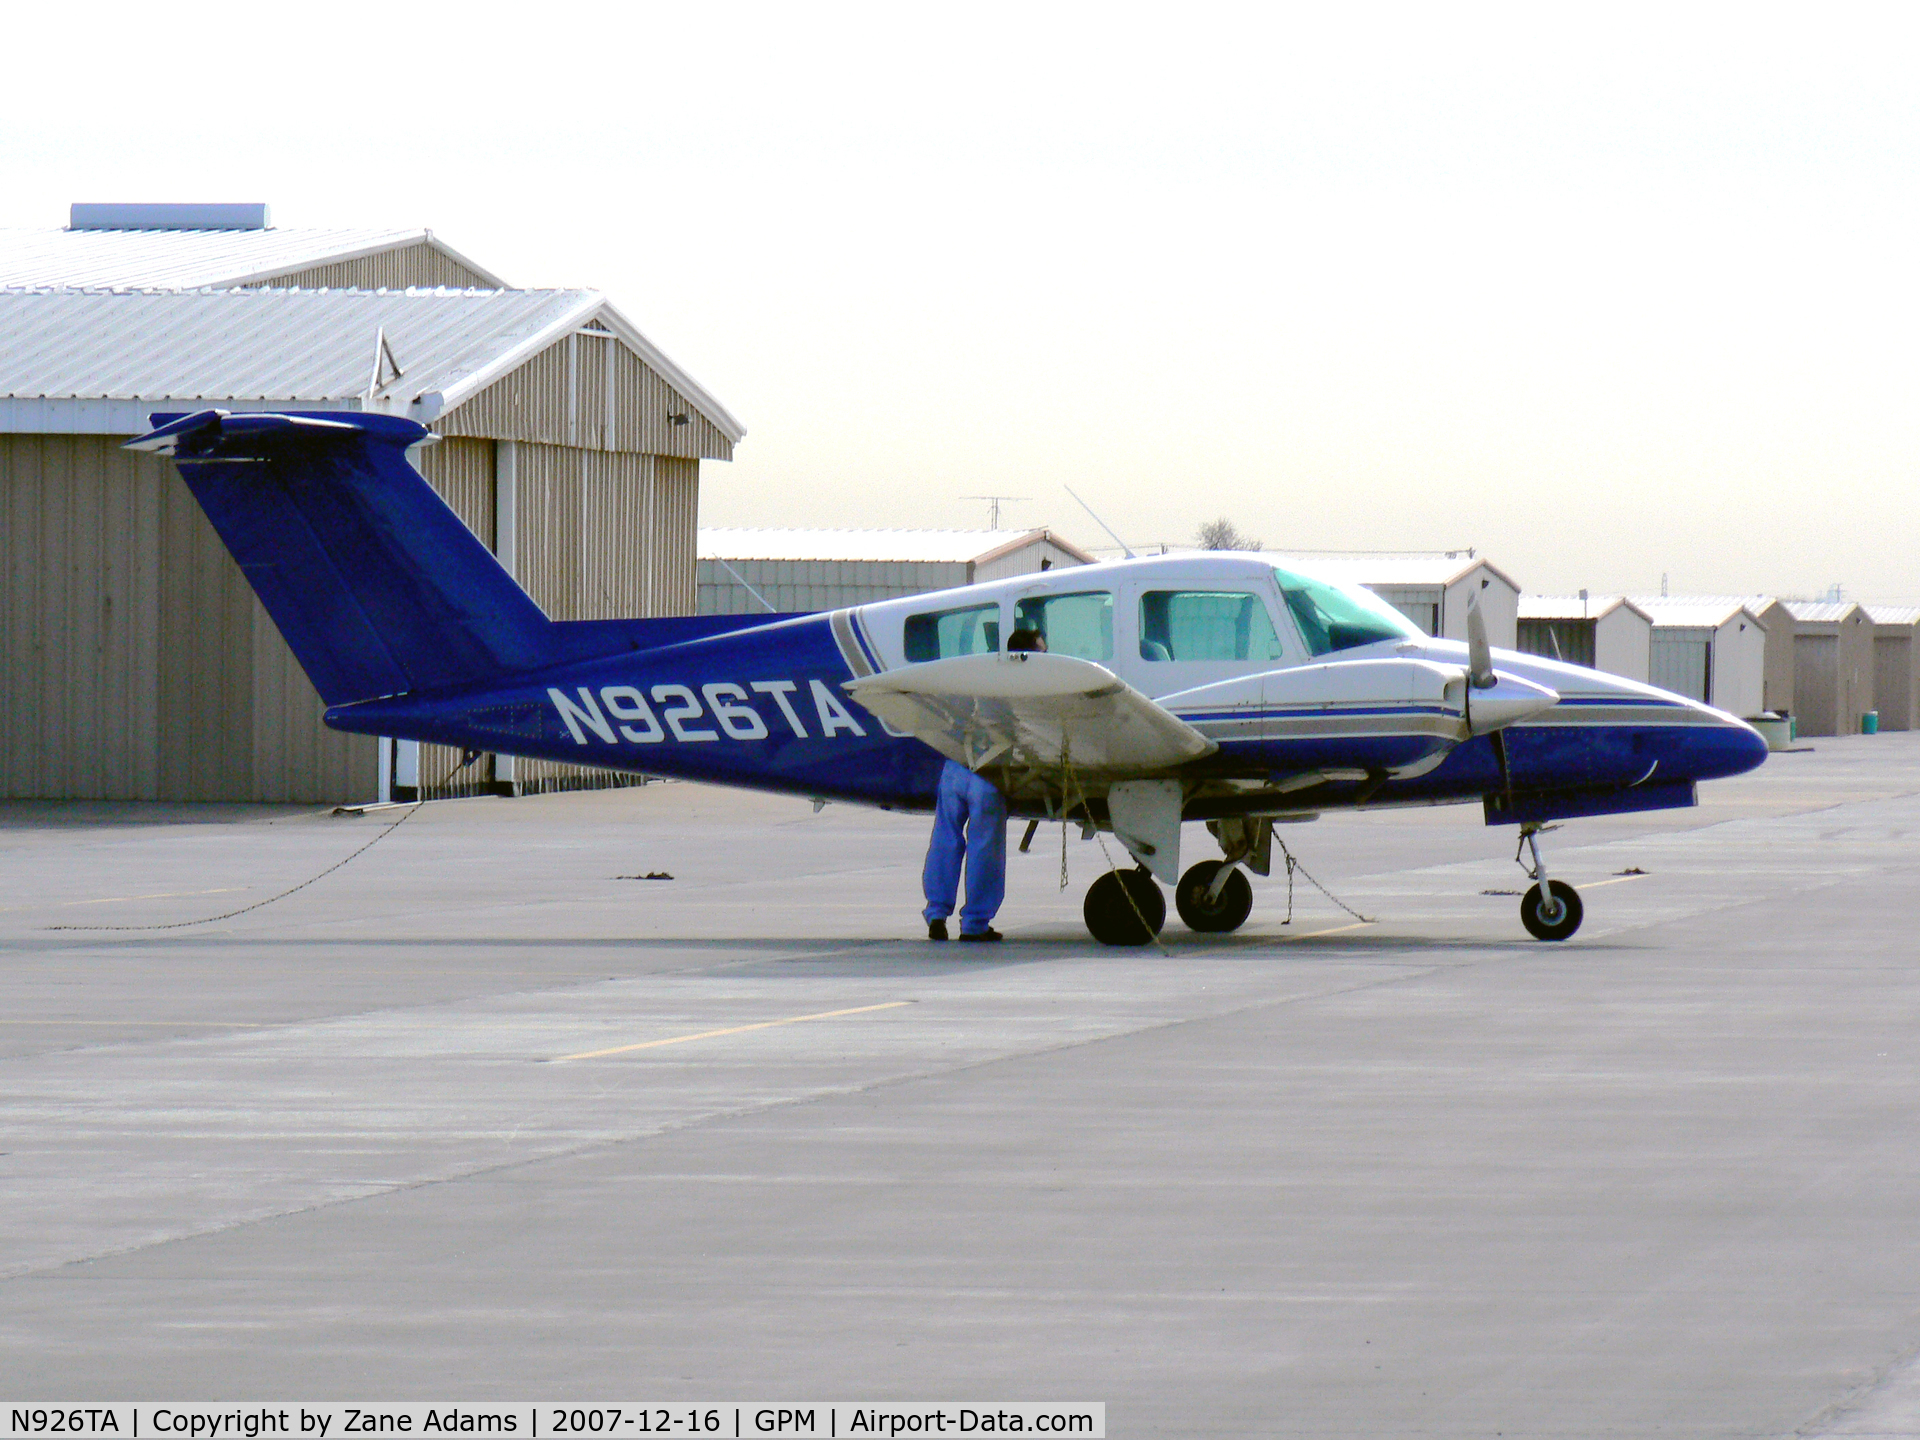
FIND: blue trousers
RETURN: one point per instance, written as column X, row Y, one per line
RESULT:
column 970, row 822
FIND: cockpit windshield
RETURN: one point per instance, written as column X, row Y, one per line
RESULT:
column 1335, row 617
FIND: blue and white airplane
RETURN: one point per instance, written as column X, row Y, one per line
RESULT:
column 1213, row 687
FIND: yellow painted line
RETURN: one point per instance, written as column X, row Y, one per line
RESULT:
column 732, row 1030
column 116, row 899
column 1617, row 880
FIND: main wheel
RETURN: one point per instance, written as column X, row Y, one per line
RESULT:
column 1228, row 911
column 1556, row 927
column 1118, row 902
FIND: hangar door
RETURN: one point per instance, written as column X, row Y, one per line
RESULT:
column 1893, row 680
column 1681, row 660
column 1419, row 603
column 1816, row 683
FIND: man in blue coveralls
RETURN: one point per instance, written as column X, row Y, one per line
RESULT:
column 970, row 821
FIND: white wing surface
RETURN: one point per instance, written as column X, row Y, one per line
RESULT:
column 1033, row 708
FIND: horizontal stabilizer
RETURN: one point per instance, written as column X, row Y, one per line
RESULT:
column 1032, row 708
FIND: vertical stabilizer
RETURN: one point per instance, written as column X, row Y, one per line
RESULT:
column 376, row 584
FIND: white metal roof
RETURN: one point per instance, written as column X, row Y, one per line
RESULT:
column 945, row 547
column 1438, row 567
column 1820, row 612
column 1894, row 614
column 1572, row 607
column 190, row 259
column 93, row 361
column 1695, row 611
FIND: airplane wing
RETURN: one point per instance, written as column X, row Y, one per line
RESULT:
column 1033, row 707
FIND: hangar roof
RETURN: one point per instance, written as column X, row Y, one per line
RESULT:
column 1894, row 614
column 79, row 361
column 51, row 258
column 941, row 547
column 1697, row 611
column 1572, row 607
column 1820, row 612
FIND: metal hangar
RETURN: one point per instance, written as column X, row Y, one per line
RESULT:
column 137, row 663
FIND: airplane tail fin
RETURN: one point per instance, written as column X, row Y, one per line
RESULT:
column 376, row 584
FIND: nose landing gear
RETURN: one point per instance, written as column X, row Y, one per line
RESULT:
column 1551, row 910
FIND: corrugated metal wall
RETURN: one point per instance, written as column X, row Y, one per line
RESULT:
column 791, row 585
column 389, row 270
column 560, row 397
column 138, row 665
column 79, row 619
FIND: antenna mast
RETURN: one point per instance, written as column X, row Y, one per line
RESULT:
column 1124, row 550
column 993, row 503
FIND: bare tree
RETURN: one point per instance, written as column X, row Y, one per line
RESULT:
column 1223, row 534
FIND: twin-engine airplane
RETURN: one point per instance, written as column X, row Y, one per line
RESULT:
column 1212, row 687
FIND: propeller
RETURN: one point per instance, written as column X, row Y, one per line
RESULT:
column 1480, row 676
column 1479, row 655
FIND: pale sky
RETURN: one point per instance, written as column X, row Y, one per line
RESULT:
column 1605, row 292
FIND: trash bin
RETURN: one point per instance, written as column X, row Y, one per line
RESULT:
column 1870, row 723
column 1776, row 730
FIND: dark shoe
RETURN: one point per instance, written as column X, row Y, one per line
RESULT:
column 982, row 937
column 937, row 930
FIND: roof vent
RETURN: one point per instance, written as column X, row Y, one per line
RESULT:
column 168, row 217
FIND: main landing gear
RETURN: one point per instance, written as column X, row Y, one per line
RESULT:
column 1551, row 910
column 1125, row 907
column 1214, row 897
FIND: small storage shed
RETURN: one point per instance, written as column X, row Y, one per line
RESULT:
column 1896, row 679
column 1710, row 650
column 1833, row 664
column 742, row 572
column 1429, row 588
column 1607, row 632
column 1776, row 686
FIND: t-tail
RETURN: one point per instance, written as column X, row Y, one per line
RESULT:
column 376, row 584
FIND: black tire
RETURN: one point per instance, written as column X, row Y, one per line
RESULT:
column 1225, row 914
column 1562, row 925
column 1116, row 904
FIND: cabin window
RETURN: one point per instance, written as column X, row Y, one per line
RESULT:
column 1331, row 617
column 943, row 634
column 1206, row 625
column 1080, row 625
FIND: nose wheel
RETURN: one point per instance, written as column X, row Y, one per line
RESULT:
column 1551, row 910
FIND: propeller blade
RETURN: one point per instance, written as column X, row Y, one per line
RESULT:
column 1479, row 655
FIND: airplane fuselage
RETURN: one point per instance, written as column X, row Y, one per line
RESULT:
column 763, row 705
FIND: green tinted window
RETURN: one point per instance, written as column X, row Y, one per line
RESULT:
column 1206, row 625
column 943, row 634
column 1079, row 625
column 1332, row 618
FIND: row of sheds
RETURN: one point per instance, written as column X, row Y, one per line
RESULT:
column 135, row 662
column 1836, row 667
